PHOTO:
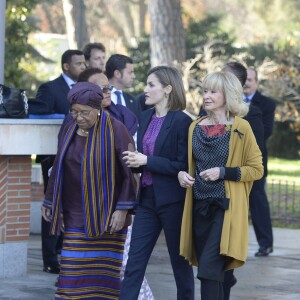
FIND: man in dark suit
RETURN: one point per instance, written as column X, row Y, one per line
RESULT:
column 259, row 206
column 254, row 117
column 120, row 73
column 53, row 94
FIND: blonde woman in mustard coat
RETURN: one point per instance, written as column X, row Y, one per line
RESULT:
column 224, row 160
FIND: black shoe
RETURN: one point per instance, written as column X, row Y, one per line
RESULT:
column 264, row 251
column 51, row 269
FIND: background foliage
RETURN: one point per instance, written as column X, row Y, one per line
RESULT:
column 18, row 26
column 260, row 33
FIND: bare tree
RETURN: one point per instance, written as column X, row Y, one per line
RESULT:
column 167, row 33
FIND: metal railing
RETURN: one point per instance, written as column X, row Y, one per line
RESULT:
column 284, row 201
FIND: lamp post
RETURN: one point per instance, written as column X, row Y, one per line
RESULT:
column 2, row 38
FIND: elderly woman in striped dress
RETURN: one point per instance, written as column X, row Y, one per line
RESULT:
column 90, row 193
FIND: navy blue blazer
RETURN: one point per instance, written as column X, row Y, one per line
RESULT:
column 54, row 95
column 170, row 155
column 267, row 107
column 51, row 98
column 125, row 116
column 132, row 104
column 254, row 117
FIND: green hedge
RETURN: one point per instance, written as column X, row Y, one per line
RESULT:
column 284, row 142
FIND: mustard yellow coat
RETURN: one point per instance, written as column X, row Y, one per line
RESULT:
column 243, row 153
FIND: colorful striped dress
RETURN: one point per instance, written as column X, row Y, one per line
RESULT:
column 90, row 262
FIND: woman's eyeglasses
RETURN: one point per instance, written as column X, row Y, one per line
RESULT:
column 83, row 114
column 107, row 89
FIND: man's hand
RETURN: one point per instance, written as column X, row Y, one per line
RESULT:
column 46, row 213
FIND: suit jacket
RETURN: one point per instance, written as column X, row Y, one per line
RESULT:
column 254, row 117
column 267, row 107
column 54, row 94
column 169, row 157
column 51, row 98
column 124, row 115
column 132, row 104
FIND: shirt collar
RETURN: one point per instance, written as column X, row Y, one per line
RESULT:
column 114, row 89
column 70, row 82
column 249, row 97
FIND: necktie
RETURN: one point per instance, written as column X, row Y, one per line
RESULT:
column 119, row 99
column 247, row 100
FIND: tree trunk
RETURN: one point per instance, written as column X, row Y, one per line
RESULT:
column 167, row 33
column 81, row 31
column 142, row 15
column 70, row 28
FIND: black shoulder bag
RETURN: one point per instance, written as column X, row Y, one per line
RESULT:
column 13, row 102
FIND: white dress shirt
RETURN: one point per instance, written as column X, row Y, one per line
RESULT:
column 114, row 96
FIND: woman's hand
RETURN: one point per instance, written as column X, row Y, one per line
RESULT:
column 185, row 179
column 134, row 159
column 212, row 174
column 117, row 220
column 46, row 213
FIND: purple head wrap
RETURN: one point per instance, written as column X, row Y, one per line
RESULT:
column 86, row 93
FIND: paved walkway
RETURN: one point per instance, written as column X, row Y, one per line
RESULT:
column 276, row 277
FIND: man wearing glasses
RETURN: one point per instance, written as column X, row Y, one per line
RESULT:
column 119, row 112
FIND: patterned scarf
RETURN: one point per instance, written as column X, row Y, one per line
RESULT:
column 97, row 177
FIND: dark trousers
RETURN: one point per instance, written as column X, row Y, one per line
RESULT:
column 147, row 225
column 207, row 234
column 50, row 244
column 211, row 290
column 260, row 214
column 229, row 281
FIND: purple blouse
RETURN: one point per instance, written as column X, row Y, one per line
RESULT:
column 149, row 140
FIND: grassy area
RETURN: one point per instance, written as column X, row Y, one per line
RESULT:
column 284, row 169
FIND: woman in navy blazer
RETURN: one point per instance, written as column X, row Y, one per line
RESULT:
column 162, row 152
